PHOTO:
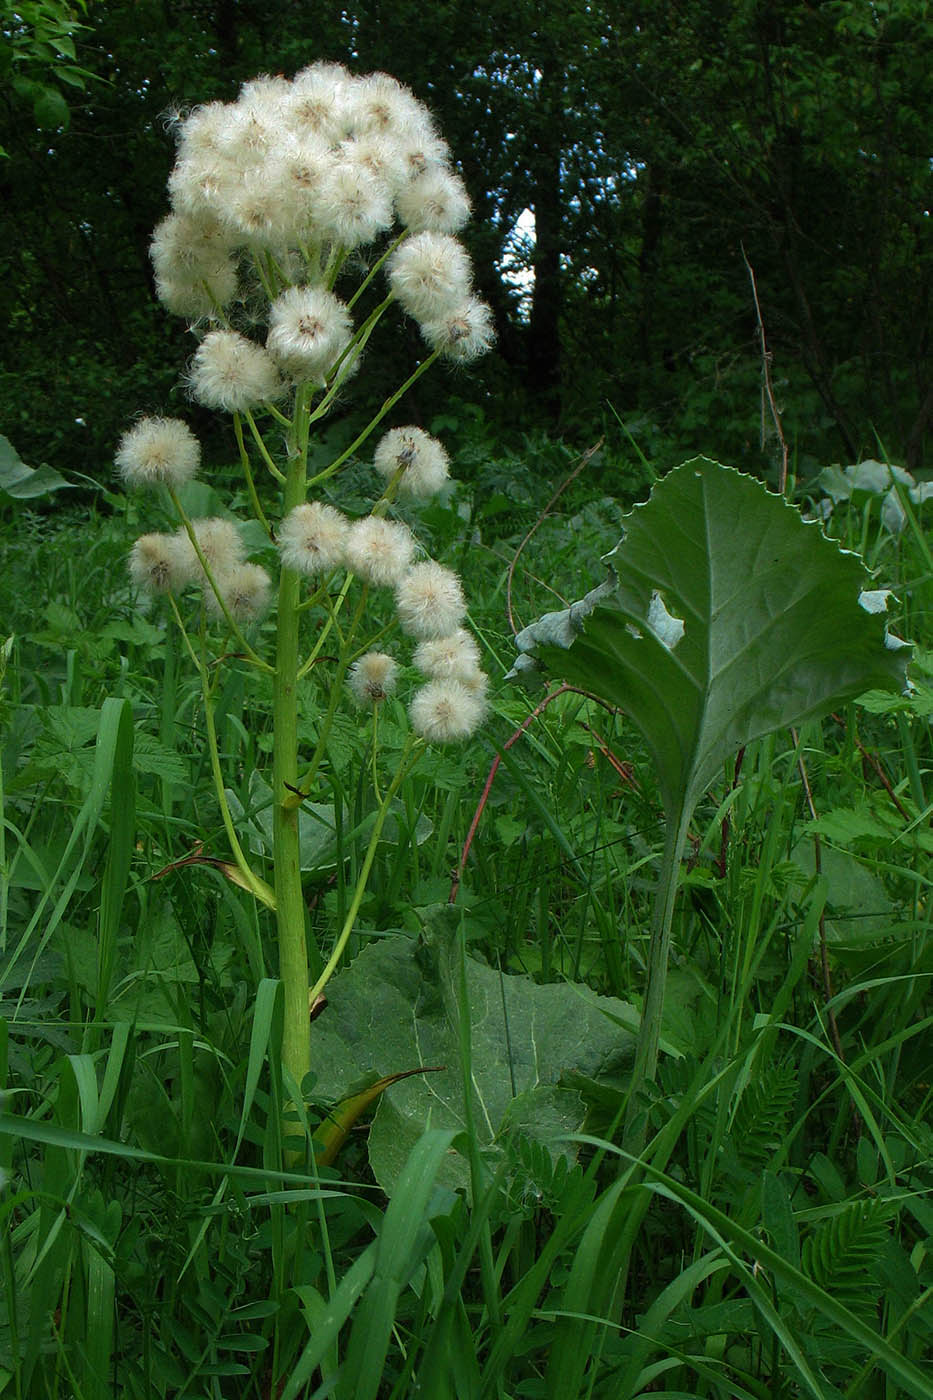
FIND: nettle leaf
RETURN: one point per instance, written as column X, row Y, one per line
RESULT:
column 726, row 617
column 395, row 1008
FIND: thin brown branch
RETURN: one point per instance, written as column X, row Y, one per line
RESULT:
column 767, row 381
column 584, row 461
column 875, row 762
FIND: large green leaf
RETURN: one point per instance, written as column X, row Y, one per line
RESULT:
column 725, row 617
column 395, row 1008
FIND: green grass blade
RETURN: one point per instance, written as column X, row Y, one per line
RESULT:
column 397, row 1252
column 586, row 1295
column 119, row 852
column 740, row 1244
column 85, row 825
column 327, row 1324
column 101, row 1294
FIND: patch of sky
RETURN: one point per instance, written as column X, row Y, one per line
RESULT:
column 516, row 265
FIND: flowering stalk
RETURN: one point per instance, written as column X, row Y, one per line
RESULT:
column 272, row 197
column 198, row 548
column 290, row 908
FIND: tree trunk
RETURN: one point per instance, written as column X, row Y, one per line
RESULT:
column 544, row 326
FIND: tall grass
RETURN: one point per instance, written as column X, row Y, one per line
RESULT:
column 773, row 1238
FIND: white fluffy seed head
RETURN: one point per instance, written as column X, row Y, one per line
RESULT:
column 154, row 564
column 436, row 200
column 202, row 131
column 424, row 149
column 295, row 174
column 379, row 105
column 198, row 296
column 420, row 458
column 372, row 678
column 246, row 590
column 378, row 550
column 158, row 452
column 430, row 601
column 380, row 157
column 250, row 134
column 266, row 93
column 476, row 682
column 202, row 186
column 309, row 329
column 254, row 212
column 462, row 334
column 314, row 105
column 313, row 539
column 430, row 275
column 351, row 206
column 186, row 247
column 453, row 658
column 231, row 373
column 446, row 711
column 219, row 542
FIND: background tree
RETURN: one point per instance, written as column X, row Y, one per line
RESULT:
column 652, row 144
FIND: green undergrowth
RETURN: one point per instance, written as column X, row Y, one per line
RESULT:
column 174, row 1226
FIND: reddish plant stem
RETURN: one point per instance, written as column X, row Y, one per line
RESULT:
column 875, row 762
column 626, row 771
column 487, row 787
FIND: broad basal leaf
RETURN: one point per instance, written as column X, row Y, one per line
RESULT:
column 725, row 617
column 395, row 1008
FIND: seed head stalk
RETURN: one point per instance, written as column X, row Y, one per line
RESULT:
column 290, row 908
column 407, row 760
column 390, row 403
column 249, row 654
column 254, row 500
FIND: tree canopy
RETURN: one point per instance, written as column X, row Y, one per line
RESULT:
column 663, row 150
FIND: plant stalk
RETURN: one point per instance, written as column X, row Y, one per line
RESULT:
column 289, row 899
column 646, row 1051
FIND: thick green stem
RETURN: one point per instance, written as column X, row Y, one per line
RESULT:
column 290, row 908
column 646, row 1052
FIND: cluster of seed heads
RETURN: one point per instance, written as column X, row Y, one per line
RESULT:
column 271, row 195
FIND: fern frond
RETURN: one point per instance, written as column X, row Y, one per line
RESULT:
column 538, row 1179
column 760, row 1120
column 843, row 1254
